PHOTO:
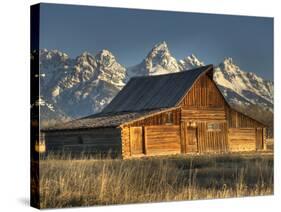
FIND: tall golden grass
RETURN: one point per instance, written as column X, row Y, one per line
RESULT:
column 67, row 182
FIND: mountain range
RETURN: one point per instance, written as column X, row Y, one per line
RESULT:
column 72, row 88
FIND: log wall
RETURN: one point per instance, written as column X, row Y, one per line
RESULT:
column 161, row 140
column 157, row 140
column 103, row 141
column 239, row 120
column 203, row 114
column 242, row 139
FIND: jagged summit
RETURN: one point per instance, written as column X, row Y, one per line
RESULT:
column 161, row 46
column 85, row 59
column 158, row 61
column 105, row 58
column 85, row 54
column 229, row 65
column 104, row 53
column 228, row 60
column 160, row 54
column 53, row 55
column 190, row 62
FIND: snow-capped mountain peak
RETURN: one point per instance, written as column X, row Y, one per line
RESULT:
column 190, row 62
column 248, row 87
column 52, row 58
column 109, row 69
column 83, row 85
column 53, row 55
column 105, row 58
column 84, row 56
column 85, row 60
column 229, row 65
column 158, row 61
column 228, row 60
column 160, row 57
column 160, row 47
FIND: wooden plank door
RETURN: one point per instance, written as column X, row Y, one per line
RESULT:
column 136, row 140
column 216, row 137
column 259, row 138
column 191, row 139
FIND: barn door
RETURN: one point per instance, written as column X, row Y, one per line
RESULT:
column 191, row 140
column 136, row 140
column 259, row 138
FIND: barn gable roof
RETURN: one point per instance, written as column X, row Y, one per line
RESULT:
column 151, row 92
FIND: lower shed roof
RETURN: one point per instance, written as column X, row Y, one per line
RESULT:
column 103, row 120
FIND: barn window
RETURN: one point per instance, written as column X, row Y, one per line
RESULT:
column 169, row 118
column 213, row 127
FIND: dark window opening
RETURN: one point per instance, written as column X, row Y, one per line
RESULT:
column 169, row 118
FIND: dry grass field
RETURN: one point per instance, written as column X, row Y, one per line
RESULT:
column 66, row 182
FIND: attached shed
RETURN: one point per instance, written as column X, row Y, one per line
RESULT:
column 159, row 115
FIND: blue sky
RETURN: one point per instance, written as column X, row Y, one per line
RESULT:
column 130, row 34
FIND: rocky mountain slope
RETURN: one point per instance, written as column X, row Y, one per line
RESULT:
column 72, row 88
column 247, row 85
column 245, row 91
column 81, row 86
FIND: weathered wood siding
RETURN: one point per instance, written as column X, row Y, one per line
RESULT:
column 126, row 146
column 243, row 132
column 260, row 138
column 214, row 140
column 239, row 120
column 242, row 139
column 202, row 105
column 163, row 121
column 206, row 114
column 88, row 141
column 161, row 140
column 264, row 138
column 159, row 119
column 154, row 140
column 189, row 138
column 204, row 93
column 137, row 140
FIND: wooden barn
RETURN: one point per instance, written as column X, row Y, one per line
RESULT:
column 159, row 115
